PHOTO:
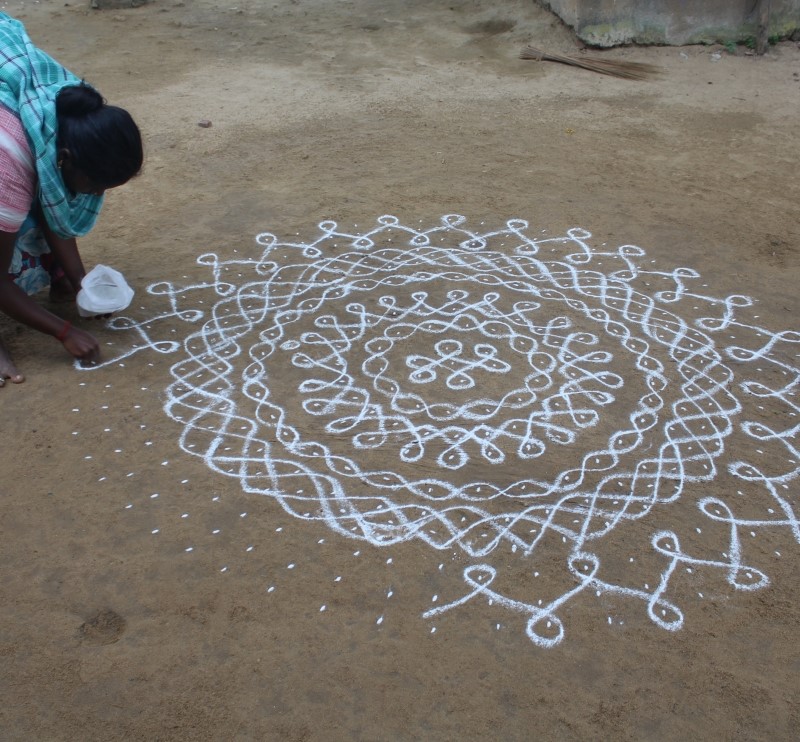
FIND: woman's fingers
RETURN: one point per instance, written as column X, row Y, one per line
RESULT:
column 81, row 345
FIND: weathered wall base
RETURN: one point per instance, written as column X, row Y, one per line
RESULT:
column 612, row 22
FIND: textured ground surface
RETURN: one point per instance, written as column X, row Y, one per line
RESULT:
column 648, row 532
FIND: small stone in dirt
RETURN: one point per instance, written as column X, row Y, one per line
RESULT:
column 204, row 123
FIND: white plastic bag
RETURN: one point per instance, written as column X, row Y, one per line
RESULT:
column 103, row 291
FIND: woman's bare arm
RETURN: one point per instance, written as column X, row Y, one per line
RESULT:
column 65, row 249
column 19, row 306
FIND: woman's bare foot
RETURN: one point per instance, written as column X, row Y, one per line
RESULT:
column 7, row 368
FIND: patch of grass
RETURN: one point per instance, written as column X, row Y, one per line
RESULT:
column 750, row 41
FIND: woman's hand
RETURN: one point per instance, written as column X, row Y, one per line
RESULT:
column 81, row 345
column 19, row 306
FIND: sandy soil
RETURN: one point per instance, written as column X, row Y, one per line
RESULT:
column 112, row 629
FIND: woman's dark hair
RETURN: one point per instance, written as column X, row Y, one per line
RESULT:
column 104, row 141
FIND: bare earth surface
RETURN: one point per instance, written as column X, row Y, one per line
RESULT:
column 147, row 597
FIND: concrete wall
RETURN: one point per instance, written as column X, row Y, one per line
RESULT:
column 612, row 22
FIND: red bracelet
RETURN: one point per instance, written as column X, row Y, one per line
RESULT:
column 62, row 335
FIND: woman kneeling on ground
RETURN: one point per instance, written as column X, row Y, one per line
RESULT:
column 61, row 148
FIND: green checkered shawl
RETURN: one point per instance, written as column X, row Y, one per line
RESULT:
column 29, row 83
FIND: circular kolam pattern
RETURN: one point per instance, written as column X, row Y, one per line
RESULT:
column 493, row 392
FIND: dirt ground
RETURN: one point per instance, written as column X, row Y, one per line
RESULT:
column 146, row 597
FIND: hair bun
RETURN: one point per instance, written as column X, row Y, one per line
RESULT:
column 76, row 101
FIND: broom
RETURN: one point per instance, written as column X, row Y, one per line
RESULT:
column 617, row 68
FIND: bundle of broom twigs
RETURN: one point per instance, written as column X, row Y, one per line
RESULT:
column 615, row 67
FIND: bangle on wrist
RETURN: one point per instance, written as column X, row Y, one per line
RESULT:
column 62, row 335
